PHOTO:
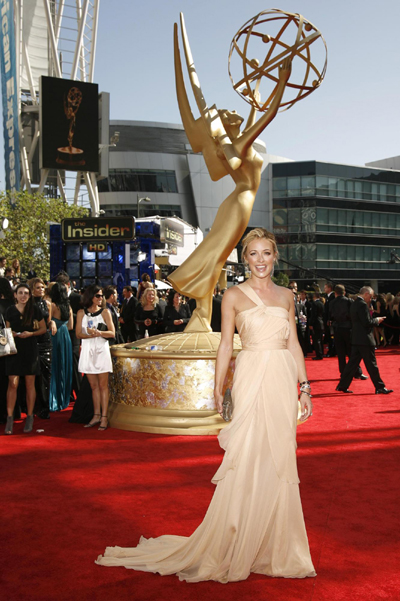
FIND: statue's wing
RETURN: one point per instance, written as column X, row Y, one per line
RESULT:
column 209, row 116
column 189, row 122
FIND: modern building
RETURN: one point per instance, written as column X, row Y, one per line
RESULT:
column 332, row 221
column 340, row 221
column 155, row 160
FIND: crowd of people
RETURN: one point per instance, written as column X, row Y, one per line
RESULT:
column 63, row 337
column 350, row 329
column 61, row 333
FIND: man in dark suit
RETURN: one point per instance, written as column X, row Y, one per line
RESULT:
column 339, row 316
column 162, row 303
column 216, row 310
column 300, row 317
column 316, row 324
column 362, row 343
column 330, row 297
column 111, row 296
column 127, row 317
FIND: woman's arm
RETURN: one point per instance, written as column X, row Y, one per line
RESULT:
column 78, row 329
column 139, row 317
column 249, row 135
column 160, row 316
column 50, row 322
column 70, row 323
column 110, row 333
column 185, row 313
column 294, row 347
column 168, row 319
column 225, row 348
column 42, row 330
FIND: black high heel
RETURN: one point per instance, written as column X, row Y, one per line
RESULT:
column 91, row 424
column 102, row 428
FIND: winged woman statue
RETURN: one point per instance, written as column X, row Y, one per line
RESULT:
column 226, row 151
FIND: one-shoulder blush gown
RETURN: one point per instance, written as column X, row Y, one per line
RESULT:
column 254, row 522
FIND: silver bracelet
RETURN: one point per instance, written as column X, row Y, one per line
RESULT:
column 304, row 392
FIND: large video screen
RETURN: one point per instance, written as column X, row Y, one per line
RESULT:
column 69, row 123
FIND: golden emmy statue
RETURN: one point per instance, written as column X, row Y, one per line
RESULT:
column 165, row 383
column 227, row 150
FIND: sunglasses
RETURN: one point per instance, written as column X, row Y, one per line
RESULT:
column 98, row 295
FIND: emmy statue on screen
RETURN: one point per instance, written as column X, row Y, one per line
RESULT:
column 165, row 383
column 69, row 155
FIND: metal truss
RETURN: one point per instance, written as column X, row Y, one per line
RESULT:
column 67, row 33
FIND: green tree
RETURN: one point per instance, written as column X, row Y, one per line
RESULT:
column 281, row 279
column 27, row 236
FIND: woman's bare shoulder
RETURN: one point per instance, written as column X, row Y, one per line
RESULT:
column 286, row 296
column 232, row 295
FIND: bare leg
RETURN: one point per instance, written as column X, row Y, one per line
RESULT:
column 13, row 382
column 94, row 385
column 30, row 393
column 104, row 396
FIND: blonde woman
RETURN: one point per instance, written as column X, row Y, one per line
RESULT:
column 255, row 521
column 148, row 314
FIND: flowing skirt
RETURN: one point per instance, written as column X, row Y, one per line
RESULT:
column 254, row 522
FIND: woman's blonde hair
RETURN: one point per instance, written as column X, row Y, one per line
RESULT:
column 32, row 283
column 257, row 234
column 145, row 293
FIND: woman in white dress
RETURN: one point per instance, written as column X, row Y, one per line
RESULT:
column 94, row 326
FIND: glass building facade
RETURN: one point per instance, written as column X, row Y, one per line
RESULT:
column 339, row 221
column 139, row 180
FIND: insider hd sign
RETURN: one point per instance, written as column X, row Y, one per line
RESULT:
column 102, row 229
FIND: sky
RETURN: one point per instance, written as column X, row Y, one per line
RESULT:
column 353, row 117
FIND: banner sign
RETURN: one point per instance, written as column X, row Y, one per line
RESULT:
column 9, row 88
column 100, row 229
column 171, row 232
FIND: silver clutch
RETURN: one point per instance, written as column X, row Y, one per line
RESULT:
column 227, row 406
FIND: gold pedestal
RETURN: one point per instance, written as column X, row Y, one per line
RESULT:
column 165, row 384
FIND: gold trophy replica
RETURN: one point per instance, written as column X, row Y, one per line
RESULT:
column 69, row 155
column 166, row 384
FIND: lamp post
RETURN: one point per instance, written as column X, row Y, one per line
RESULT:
column 139, row 200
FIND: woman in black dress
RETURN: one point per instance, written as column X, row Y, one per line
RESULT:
column 6, row 300
column 27, row 324
column 148, row 313
column 176, row 314
column 37, row 287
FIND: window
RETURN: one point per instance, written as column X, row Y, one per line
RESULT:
column 280, row 183
column 307, row 185
column 146, row 210
column 293, row 186
column 358, row 222
column 139, row 180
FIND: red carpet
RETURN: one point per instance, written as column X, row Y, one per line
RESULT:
column 69, row 492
